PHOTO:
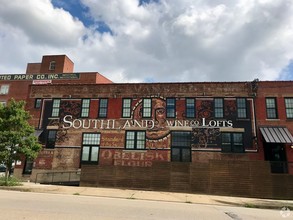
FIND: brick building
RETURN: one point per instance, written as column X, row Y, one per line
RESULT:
column 114, row 132
column 54, row 69
column 274, row 114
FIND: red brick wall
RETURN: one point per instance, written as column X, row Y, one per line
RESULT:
column 102, row 79
column 17, row 90
column 116, row 92
column 278, row 90
column 114, row 108
column 218, row 177
column 63, row 64
column 33, row 68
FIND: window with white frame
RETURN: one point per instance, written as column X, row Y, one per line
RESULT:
column 126, row 108
column 4, row 89
column 90, row 148
column 289, row 107
column 52, row 65
column 171, row 107
column 271, row 108
column 38, row 103
column 219, row 107
column 241, row 108
column 135, row 140
column 56, row 108
column 103, row 108
column 147, row 108
column 85, row 108
column 190, row 107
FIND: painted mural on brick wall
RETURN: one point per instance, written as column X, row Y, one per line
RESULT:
column 204, row 128
column 67, row 107
column 132, row 158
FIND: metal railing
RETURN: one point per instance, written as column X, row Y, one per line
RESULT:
column 59, row 178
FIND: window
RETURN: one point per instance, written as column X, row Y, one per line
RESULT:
column 190, row 108
column 51, row 138
column 147, row 108
column 219, row 107
column 3, row 103
column 126, row 108
column 289, row 107
column 171, row 105
column 52, row 65
column 271, row 108
column 38, row 103
column 135, row 140
column 232, row 142
column 241, row 108
column 85, row 108
column 4, row 89
column 181, row 146
column 103, row 107
column 90, row 147
column 56, row 108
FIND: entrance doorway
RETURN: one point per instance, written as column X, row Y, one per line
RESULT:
column 276, row 154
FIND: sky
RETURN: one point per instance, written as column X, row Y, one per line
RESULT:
column 152, row 40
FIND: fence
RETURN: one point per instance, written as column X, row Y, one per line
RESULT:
column 219, row 177
column 61, row 178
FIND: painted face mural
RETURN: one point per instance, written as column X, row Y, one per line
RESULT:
column 159, row 130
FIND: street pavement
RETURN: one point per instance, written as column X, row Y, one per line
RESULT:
column 154, row 196
column 46, row 206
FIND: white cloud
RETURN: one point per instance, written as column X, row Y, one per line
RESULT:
column 41, row 23
column 186, row 40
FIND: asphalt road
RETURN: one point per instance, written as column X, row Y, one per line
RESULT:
column 42, row 206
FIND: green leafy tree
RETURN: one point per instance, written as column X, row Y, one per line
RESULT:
column 16, row 135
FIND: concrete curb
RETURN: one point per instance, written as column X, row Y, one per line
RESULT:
column 153, row 196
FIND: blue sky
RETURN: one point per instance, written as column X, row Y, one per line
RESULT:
column 153, row 40
column 287, row 72
column 77, row 9
column 80, row 11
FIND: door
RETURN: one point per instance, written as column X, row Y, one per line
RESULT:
column 28, row 167
column 275, row 153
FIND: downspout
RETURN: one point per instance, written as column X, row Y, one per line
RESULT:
column 254, row 89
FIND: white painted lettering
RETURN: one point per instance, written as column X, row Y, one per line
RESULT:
column 137, row 124
column 84, row 124
column 67, row 122
column 126, row 125
column 76, row 123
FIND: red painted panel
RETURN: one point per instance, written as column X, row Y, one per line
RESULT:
column 112, row 139
column 114, row 108
column 44, row 160
column 180, row 109
column 94, row 109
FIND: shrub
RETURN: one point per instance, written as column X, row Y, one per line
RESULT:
column 12, row 181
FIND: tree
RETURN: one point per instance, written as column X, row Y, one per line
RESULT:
column 16, row 135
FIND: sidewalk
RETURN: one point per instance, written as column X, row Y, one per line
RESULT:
column 154, row 195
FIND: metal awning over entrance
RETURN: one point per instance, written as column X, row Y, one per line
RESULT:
column 276, row 135
column 38, row 132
